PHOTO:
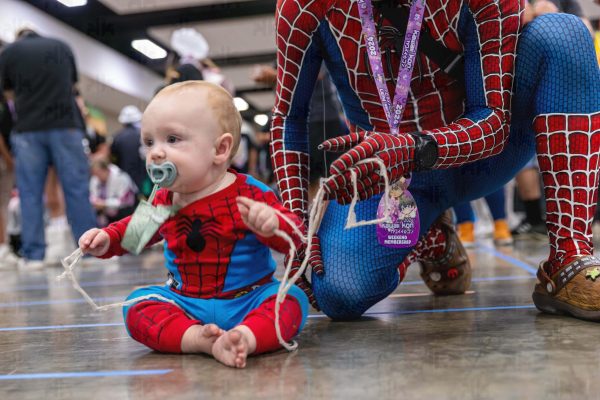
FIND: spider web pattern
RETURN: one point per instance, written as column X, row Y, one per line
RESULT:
column 203, row 273
column 435, row 100
column 208, row 237
column 568, row 151
column 466, row 140
column 158, row 325
column 296, row 21
column 432, row 246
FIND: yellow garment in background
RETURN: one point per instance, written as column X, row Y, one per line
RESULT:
column 597, row 45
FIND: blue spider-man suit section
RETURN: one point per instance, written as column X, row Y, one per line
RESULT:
column 554, row 74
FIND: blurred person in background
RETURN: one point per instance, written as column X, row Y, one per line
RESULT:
column 325, row 120
column 465, row 220
column 126, row 149
column 7, row 257
column 536, row 8
column 193, row 63
column 245, row 159
column 94, row 141
column 41, row 74
column 112, row 192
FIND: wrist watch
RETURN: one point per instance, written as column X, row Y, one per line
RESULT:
column 426, row 152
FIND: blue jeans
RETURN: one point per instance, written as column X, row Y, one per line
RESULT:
column 34, row 153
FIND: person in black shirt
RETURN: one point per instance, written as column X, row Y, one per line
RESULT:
column 40, row 73
column 127, row 152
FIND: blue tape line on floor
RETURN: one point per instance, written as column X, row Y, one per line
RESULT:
column 91, row 374
column 516, row 262
column 403, row 312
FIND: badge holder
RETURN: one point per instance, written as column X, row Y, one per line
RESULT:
column 147, row 219
column 402, row 229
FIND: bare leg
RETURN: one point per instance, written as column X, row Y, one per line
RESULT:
column 233, row 347
column 528, row 184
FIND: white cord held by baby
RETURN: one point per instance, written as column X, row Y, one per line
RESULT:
column 314, row 222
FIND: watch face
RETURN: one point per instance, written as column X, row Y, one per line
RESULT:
column 430, row 154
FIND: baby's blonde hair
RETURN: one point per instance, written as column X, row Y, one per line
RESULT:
column 221, row 107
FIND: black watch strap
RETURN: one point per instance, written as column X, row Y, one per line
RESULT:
column 426, row 152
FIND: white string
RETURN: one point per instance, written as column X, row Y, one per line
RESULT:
column 314, row 222
column 68, row 264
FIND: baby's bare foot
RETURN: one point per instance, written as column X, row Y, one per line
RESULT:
column 200, row 338
column 231, row 349
column 208, row 336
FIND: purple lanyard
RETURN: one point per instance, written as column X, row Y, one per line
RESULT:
column 393, row 111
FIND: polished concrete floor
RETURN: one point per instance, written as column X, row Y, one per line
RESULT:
column 490, row 343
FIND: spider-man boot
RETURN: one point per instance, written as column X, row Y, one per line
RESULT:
column 568, row 151
column 445, row 266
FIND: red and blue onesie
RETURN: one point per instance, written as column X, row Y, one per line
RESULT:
column 219, row 272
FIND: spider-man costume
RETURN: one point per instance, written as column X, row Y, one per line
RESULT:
column 219, row 271
column 481, row 125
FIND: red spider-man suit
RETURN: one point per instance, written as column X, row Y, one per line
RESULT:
column 480, row 124
column 219, row 272
column 208, row 249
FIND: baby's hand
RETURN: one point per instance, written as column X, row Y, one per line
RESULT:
column 94, row 242
column 259, row 217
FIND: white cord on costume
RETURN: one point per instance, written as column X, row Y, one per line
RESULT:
column 314, row 222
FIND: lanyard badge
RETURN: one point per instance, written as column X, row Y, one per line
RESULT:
column 403, row 230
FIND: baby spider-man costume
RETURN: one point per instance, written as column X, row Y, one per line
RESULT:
column 219, row 272
column 522, row 91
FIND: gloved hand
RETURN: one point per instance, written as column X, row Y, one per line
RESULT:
column 396, row 152
column 315, row 263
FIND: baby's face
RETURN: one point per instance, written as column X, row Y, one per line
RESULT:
column 178, row 127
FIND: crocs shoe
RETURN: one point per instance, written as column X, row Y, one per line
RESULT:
column 451, row 273
column 572, row 290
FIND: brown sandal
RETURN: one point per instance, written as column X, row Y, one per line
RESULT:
column 451, row 273
column 573, row 290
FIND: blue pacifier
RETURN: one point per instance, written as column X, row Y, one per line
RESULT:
column 163, row 175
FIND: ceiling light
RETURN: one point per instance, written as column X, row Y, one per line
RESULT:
column 73, row 3
column 149, row 49
column 261, row 119
column 240, row 104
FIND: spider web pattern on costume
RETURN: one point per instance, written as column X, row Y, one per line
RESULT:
column 431, row 246
column 435, row 100
column 226, row 243
column 152, row 323
column 289, row 166
column 568, row 149
column 467, row 140
column 203, row 273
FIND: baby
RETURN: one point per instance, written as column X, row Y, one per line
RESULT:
column 220, row 295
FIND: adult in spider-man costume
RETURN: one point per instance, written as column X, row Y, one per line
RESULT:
column 462, row 135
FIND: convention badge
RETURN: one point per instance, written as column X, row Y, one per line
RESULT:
column 403, row 227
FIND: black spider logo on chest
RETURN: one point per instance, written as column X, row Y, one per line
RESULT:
column 196, row 232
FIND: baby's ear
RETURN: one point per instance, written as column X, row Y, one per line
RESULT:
column 223, row 148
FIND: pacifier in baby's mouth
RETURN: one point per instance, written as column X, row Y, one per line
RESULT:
column 163, row 175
